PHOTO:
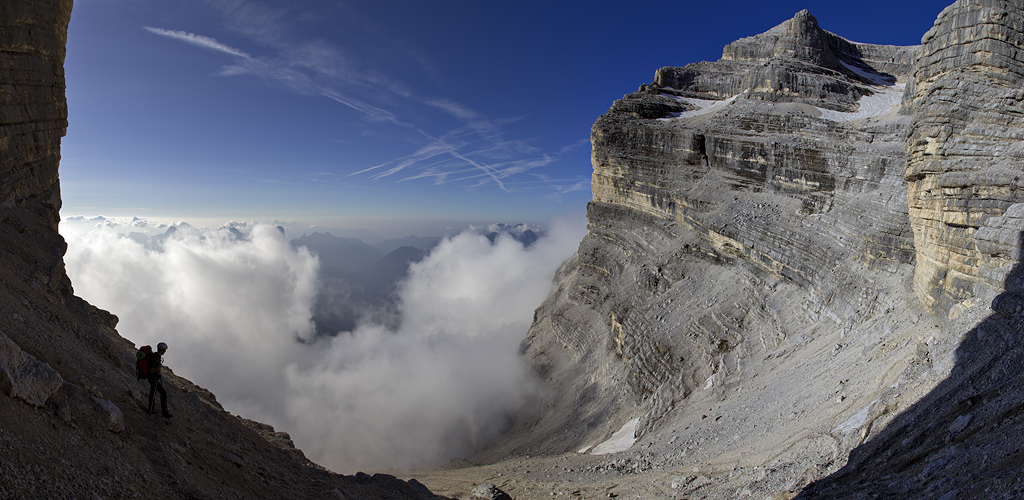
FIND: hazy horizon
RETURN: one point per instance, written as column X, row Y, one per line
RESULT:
column 383, row 229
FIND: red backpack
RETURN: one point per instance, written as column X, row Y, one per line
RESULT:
column 142, row 361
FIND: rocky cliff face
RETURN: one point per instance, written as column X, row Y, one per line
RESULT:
column 33, row 116
column 964, row 153
column 707, row 213
column 72, row 420
column 33, row 111
column 961, row 439
column 795, row 61
column 787, row 249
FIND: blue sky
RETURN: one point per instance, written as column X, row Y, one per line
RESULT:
column 381, row 113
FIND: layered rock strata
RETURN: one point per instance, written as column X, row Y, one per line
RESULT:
column 33, row 110
column 795, row 61
column 961, row 439
column 964, row 153
column 747, row 286
column 705, row 211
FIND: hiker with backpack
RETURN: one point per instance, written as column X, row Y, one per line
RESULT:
column 147, row 366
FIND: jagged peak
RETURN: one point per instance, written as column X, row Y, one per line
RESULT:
column 805, row 41
column 804, row 19
column 794, row 61
column 799, row 37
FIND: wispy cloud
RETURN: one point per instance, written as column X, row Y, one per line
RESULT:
column 475, row 152
column 198, row 40
column 566, row 186
column 453, row 108
column 577, row 144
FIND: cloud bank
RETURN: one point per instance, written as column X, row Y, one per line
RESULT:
column 236, row 312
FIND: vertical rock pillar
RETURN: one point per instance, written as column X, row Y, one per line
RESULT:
column 965, row 160
column 33, row 109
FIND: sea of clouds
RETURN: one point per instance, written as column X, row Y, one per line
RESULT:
column 235, row 306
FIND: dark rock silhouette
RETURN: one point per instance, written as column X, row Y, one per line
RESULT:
column 347, row 254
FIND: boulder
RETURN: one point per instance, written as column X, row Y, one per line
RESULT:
column 110, row 415
column 488, row 491
column 25, row 377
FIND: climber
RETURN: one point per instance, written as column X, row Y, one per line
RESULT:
column 155, row 382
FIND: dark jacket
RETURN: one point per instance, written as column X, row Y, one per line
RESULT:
column 155, row 363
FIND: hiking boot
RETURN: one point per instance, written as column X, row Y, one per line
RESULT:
column 166, row 415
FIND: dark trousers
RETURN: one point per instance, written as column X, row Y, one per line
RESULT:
column 157, row 385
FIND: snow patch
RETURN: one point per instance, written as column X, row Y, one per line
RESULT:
column 877, row 104
column 705, row 106
column 874, row 78
column 621, row 440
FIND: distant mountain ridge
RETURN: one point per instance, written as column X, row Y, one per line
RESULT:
column 425, row 244
column 359, row 281
column 346, row 254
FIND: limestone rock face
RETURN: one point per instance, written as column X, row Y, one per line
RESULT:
column 964, row 151
column 795, row 61
column 33, row 118
column 758, row 230
column 33, row 111
column 733, row 207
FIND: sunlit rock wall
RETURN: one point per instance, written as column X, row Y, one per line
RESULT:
column 965, row 153
column 796, row 60
column 718, row 229
column 33, row 110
